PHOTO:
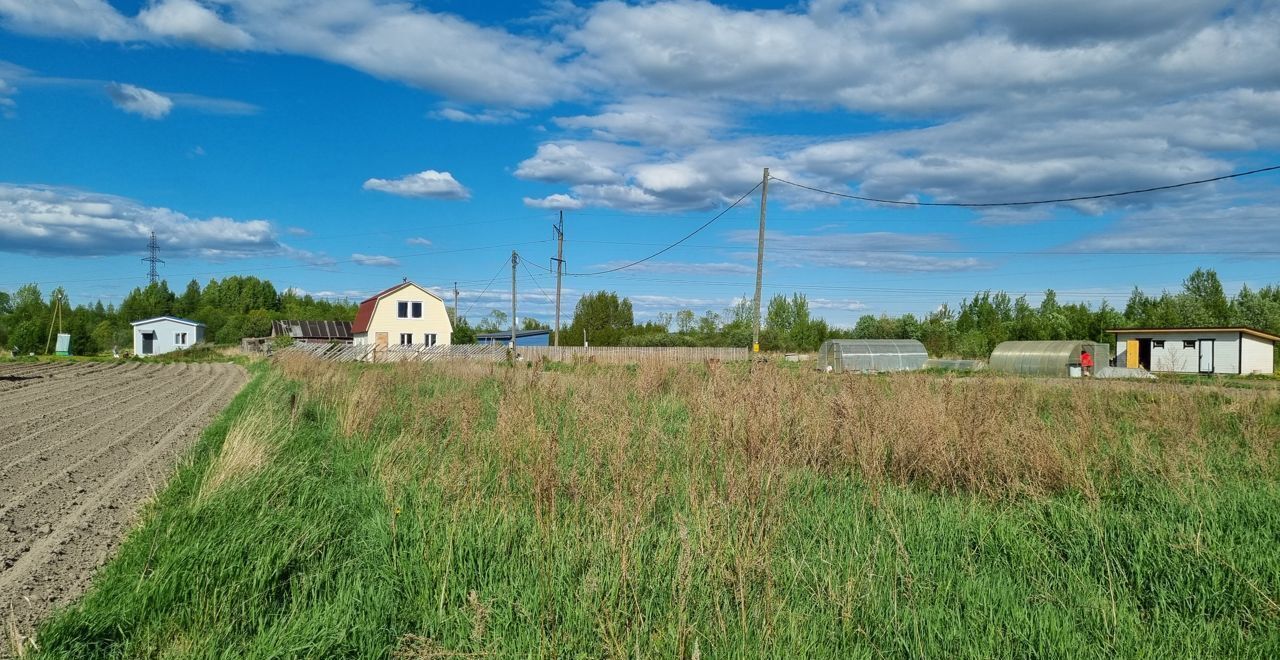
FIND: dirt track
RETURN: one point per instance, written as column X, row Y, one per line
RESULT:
column 82, row 446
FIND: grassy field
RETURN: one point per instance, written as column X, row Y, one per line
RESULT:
column 477, row 510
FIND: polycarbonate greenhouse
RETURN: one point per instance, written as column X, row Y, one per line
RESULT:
column 839, row 355
column 1046, row 358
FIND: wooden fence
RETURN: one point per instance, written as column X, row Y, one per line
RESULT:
column 485, row 352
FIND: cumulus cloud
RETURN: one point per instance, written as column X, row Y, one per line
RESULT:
column 376, row 260
column 139, row 101
column 55, row 221
column 428, row 183
column 188, row 20
column 557, row 201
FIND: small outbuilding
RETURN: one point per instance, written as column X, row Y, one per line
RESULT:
column 1196, row 350
column 871, row 355
column 164, row 334
column 1046, row 358
column 523, row 338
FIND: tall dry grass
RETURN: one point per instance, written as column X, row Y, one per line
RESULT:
column 742, row 431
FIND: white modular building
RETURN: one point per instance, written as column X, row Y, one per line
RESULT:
column 163, row 334
column 1196, row 350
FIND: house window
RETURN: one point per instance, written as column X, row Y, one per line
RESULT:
column 177, row 339
column 402, row 310
column 1188, row 343
column 1157, row 343
column 184, row 339
column 415, row 309
column 429, row 339
column 406, row 338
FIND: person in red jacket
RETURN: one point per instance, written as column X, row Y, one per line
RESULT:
column 1086, row 363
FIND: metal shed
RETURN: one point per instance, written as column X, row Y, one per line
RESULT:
column 1046, row 358
column 839, row 355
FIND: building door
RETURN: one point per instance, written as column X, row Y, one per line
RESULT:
column 1206, row 356
column 1131, row 354
column 148, row 339
column 1144, row 354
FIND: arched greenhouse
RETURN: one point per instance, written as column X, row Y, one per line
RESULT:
column 867, row 355
column 1046, row 358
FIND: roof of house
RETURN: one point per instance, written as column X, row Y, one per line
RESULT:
column 1248, row 331
column 365, row 312
column 167, row 318
column 507, row 334
column 312, row 329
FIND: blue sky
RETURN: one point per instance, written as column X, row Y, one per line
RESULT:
column 338, row 146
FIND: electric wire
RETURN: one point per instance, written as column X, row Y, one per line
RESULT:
column 686, row 237
column 537, row 283
column 1059, row 200
column 486, row 289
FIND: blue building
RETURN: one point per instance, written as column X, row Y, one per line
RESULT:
column 523, row 338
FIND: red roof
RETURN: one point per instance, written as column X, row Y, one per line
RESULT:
column 365, row 313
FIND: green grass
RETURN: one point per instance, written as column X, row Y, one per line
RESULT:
column 497, row 514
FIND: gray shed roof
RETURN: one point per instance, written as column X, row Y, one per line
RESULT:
column 167, row 318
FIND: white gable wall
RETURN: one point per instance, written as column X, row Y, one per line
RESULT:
column 1257, row 356
column 167, row 336
column 435, row 319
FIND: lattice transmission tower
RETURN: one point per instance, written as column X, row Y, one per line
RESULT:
column 153, row 258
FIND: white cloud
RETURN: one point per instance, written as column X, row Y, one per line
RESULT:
column 1215, row 223
column 75, row 18
column 297, row 231
column 428, row 183
column 575, row 163
column 873, row 251
column 557, row 201
column 489, row 116
column 188, row 20
column 419, row 241
column 655, row 121
column 376, row 260
column 54, row 221
column 139, row 101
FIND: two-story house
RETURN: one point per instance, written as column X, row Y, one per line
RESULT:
column 404, row 314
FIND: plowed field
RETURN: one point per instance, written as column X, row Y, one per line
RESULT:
column 82, row 447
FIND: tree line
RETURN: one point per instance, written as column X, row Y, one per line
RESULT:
column 237, row 307
column 970, row 329
column 231, row 308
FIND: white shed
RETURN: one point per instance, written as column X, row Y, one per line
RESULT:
column 163, row 334
column 1196, row 350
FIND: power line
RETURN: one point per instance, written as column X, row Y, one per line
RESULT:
column 536, row 282
column 686, row 237
column 486, row 287
column 321, row 264
column 1037, row 253
column 1080, row 198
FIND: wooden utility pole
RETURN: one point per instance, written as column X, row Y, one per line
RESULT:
column 559, row 271
column 455, row 303
column 764, row 199
column 515, row 260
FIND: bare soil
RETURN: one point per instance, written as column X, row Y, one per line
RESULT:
column 82, row 447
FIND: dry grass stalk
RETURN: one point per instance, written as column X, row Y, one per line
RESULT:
column 247, row 447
